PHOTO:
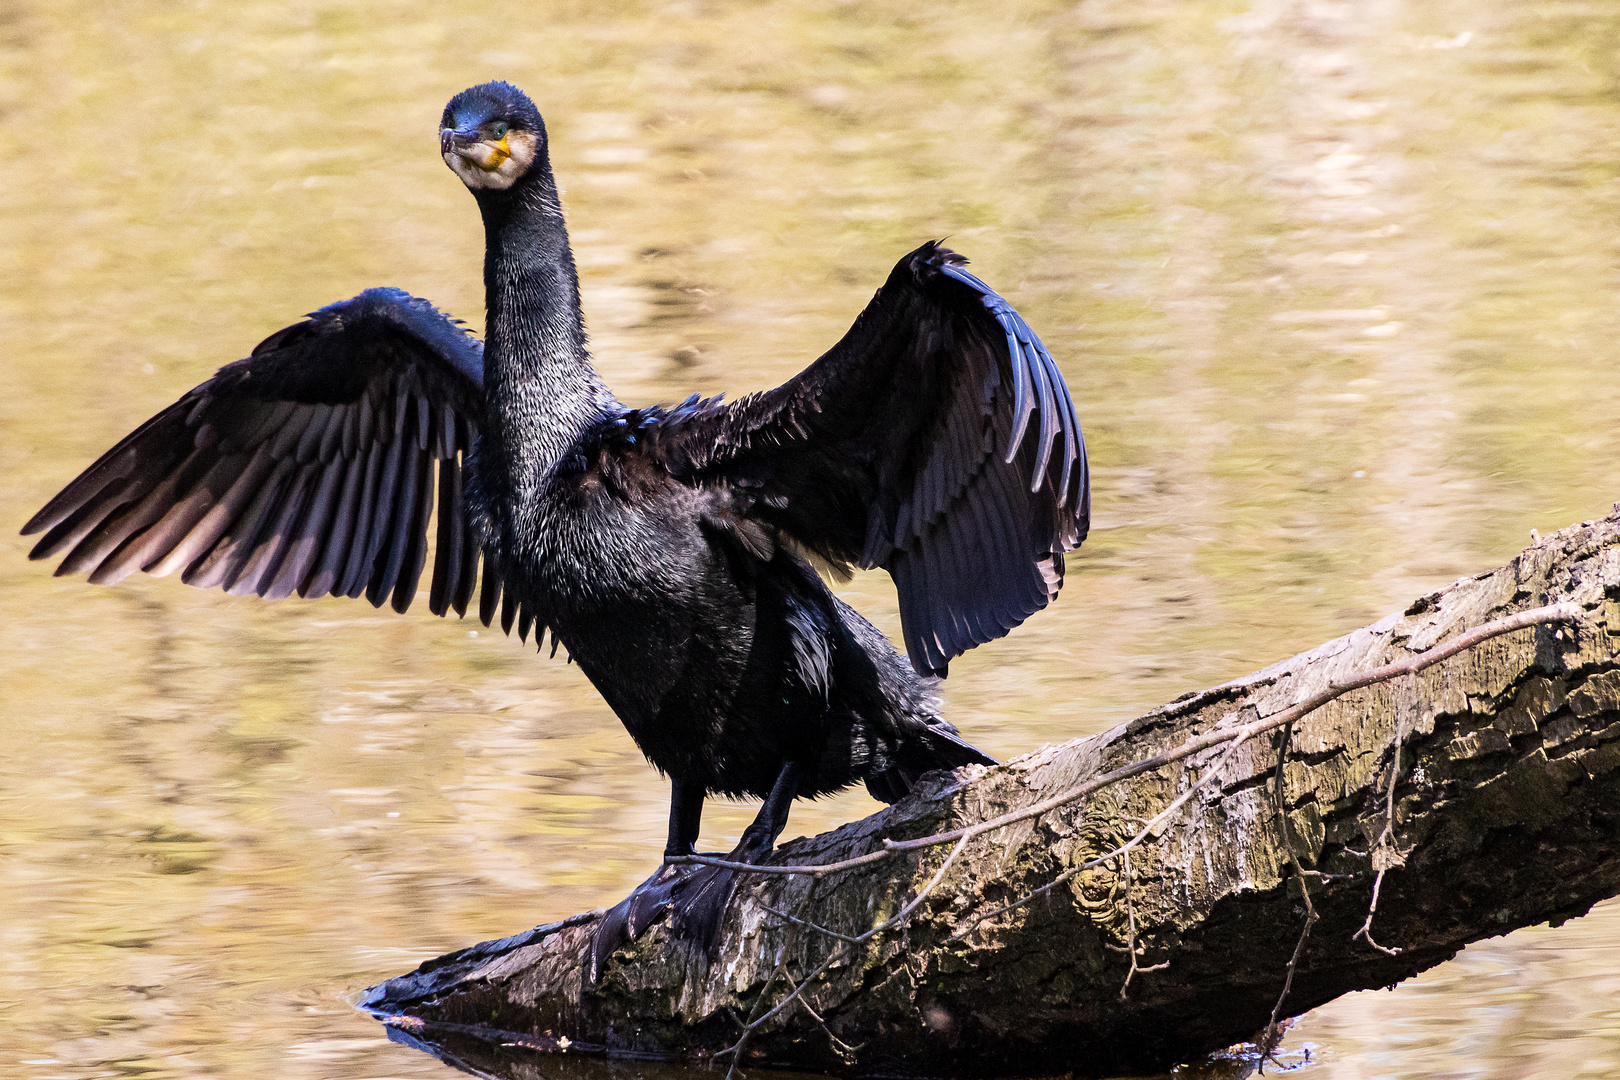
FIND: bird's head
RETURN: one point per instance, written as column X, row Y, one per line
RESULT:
column 491, row 135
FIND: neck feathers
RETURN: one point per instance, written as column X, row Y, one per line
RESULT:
column 538, row 377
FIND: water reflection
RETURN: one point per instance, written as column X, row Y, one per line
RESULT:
column 1333, row 283
column 517, row 1057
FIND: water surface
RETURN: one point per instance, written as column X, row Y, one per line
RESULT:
column 1335, row 285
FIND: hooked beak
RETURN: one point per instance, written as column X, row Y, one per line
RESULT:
column 471, row 144
column 453, row 141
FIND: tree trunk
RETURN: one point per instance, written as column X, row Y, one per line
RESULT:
column 1507, row 813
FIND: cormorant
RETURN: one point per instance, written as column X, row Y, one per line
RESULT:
column 665, row 548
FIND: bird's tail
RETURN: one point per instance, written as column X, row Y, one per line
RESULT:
column 937, row 746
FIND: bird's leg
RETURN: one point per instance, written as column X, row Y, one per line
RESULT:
column 624, row 922
column 701, row 906
column 760, row 837
column 685, row 816
column 696, row 896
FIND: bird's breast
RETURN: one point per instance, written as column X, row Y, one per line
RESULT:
column 593, row 541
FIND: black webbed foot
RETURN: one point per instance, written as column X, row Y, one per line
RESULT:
column 695, row 897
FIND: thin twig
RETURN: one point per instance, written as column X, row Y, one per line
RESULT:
column 759, row 1002
column 1380, row 851
column 845, row 1051
column 838, row 951
column 1365, row 933
column 1210, row 774
column 1562, row 612
column 1281, row 799
column 810, row 925
column 1131, row 945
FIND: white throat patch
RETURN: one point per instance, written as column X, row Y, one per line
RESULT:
column 490, row 166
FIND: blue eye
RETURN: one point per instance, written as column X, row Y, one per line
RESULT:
column 498, row 129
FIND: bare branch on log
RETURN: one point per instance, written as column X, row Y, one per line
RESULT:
column 1273, row 1033
column 1384, row 854
column 1132, row 948
column 1211, row 774
column 896, row 920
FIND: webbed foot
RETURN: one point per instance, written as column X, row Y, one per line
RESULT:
column 694, row 896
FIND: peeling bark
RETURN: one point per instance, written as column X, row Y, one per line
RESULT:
column 1507, row 800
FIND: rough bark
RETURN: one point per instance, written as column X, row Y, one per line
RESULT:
column 1507, row 814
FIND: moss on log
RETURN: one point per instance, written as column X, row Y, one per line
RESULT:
column 1507, row 813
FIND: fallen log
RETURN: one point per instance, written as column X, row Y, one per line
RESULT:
column 1127, row 901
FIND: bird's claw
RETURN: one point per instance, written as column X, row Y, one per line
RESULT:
column 695, row 896
column 625, row 921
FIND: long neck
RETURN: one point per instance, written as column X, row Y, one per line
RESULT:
column 538, row 377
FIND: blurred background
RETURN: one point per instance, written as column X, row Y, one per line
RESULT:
column 1334, row 284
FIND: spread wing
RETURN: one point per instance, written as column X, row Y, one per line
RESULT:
column 307, row 467
column 937, row 440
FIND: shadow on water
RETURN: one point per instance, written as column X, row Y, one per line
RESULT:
column 500, row 1055
column 1336, row 284
column 504, row 1055
column 507, row 1056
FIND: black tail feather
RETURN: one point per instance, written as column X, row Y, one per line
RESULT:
column 938, row 746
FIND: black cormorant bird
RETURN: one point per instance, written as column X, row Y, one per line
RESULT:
column 665, row 548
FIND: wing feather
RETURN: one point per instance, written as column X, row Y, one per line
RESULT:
column 489, row 597
column 218, row 518
column 363, row 547
column 509, row 607
column 416, row 534
column 66, row 533
column 462, row 593
column 155, row 495
column 307, row 467
column 447, row 570
column 937, row 440
column 309, row 538
column 390, row 531
column 182, row 517
column 309, row 443
column 285, row 440
column 224, row 562
column 323, row 577
column 257, row 574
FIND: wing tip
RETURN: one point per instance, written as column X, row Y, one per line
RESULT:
column 38, row 523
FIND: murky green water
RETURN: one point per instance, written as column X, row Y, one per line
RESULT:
column 1336, row 284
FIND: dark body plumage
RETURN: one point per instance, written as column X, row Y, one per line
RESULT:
column 665, row 549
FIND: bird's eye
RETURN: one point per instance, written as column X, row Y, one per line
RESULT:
column 497, row 130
